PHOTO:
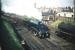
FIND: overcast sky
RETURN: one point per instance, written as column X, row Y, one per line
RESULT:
column 55, row 3
column 26, row 7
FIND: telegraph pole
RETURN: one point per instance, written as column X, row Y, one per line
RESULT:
column 35, row 4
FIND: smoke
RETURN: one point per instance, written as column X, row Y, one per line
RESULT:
column 21, row 7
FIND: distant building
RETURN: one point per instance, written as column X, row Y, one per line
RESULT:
column 51, row 14
column 65, row 14
column 67, row 9
column 58, row 9
column 47, row 17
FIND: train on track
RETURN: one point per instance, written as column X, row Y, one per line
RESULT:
column 66, row 31
column 38, row 28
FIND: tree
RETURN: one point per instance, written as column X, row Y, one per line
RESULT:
column 70, row 9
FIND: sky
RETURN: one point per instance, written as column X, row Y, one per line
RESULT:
column 55, row 3
column 26, row 7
